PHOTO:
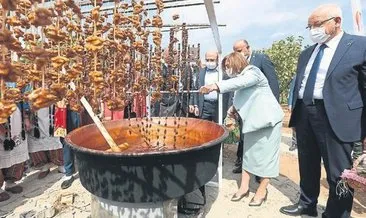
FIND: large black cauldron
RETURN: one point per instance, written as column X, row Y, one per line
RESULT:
column 142, row 174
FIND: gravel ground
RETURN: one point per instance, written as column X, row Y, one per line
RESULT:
column 40, row 197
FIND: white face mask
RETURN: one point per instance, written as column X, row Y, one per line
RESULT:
column 211, row 65
column 318, row 35
column 230, row 72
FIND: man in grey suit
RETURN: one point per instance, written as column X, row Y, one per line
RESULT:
column 329, row 98
column 263, row 62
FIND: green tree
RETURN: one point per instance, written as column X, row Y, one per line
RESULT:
column 284, row 55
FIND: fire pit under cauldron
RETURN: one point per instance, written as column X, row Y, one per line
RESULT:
column 162, row 171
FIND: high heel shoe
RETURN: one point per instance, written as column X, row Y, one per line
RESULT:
column 238, row 198
column 258, row 203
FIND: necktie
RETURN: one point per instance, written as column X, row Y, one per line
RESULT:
column 310, row 83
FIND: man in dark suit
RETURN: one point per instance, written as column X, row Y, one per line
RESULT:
column 207, row 106
column 263, row 62
column 329, row 98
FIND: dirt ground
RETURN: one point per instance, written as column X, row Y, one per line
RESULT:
column 41, row 197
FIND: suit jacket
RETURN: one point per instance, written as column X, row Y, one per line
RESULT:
column 198, row 99
column 253, row 99
column 263, row 62
column 344, row 90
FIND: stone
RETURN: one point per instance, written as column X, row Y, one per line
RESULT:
column 28, row 214
column 67, row 199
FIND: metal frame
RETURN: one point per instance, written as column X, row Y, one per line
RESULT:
column 209, row 4
column 176, row 4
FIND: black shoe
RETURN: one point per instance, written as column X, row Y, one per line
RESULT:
column 67, row 183
column 237, row 169
column 293, row 148
column 238, row 162
column 297, row 210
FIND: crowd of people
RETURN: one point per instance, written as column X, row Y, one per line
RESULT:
column 29, row 143
column 327, row 98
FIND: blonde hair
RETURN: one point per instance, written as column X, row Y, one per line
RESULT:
column 236, row 61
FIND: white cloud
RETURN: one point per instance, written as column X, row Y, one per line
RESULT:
column 278, row 35
column 261, row 22
column 238, row 15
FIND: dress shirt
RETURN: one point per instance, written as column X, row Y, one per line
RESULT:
column 323, row 68
column 211, row 77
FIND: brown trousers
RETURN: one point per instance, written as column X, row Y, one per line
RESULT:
column 41, row 158
column 13, row 173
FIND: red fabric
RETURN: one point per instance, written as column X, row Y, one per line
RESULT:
column 60, row 122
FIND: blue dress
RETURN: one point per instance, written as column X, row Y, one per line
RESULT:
column 262, row 120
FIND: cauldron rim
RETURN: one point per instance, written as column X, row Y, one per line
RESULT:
column 146, row 154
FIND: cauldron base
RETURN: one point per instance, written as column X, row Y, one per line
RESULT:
column 101, row 207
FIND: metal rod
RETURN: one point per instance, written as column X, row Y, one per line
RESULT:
column 192, row 28
column 166, row 92
column 152, row 8
column 213, row 22
column 87, row 2
column 189, row 25
column 215, row 32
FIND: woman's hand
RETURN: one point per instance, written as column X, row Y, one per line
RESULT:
column 208, row 88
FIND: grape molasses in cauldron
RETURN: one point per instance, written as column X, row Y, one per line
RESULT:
column 183, row 155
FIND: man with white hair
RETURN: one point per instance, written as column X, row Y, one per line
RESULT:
column 328, row 98
column 206, row 106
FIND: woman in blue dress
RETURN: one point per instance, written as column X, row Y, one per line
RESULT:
column 261, row 114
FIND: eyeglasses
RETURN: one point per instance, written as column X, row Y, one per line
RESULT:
column 319, row 24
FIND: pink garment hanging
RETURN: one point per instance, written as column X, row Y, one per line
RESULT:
column 139, row 105
column 112, row 115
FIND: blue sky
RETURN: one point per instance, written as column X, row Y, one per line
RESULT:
column 260, row 22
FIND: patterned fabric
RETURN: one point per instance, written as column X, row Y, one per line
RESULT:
column 41, row 158
column 13, row 173
column 45, row 142
column 20, row 152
